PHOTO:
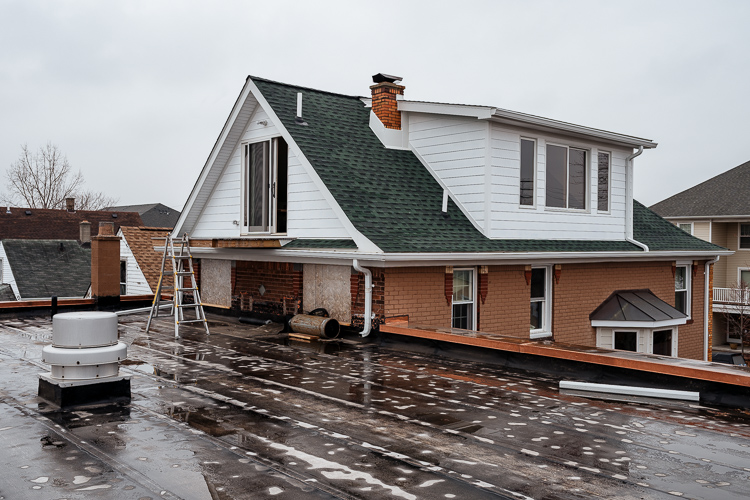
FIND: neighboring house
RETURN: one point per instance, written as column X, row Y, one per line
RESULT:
column 42, row 232
column 718, row 211
column 140, row 264
column 37, row 269
column 153, row 214
column 470, row 217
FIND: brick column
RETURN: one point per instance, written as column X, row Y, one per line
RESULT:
column 105, row 267
column 385, row 105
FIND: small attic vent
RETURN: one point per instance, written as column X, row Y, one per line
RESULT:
column 114, row 216
column 382, row 77
column 28, row 212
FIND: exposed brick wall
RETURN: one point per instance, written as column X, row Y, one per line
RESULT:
column 418, row 292
column 357, row 288
column 583, row 287
column 507, row 308
column 280, row 280
column 384, row 103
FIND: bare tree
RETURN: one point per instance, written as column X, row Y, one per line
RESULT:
column 739, row 319
column 44, row 178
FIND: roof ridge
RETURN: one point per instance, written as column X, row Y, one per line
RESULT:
column 337, row 94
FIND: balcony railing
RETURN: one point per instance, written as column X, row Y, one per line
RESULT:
column 732, row 296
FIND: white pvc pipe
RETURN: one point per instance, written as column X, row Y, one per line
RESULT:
column 630, row 391
column 368, row 297
column 705, row 307
column 629, row 206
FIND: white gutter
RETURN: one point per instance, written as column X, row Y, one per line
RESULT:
column 629, row 196
column 705, row 308
column 368, row 297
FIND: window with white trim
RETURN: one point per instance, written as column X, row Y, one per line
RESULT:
column 662, row 342
column 264, row 197
column 687, row 227
column 602, row 174
column 123, row 277
column 463, row 299
column 682, row 289
column 744, row 242
column 565, row 185
column 626, row 340
column 528, row 153
column 540, row 317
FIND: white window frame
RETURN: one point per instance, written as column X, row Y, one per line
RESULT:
column 739, row 235
column 473, row 300
column 638, row 338
column 586, row 178
column 688, row 265
column 546, row 330
column 535, row 180
column 124, row 285
column 609, row 182
column 271, row 203
column 739, row 276
column 650, row 340
column 680, row 224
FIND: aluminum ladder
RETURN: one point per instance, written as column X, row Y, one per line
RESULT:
column 182, row 267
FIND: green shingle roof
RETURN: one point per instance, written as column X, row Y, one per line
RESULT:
column 318, row 243
column 393, row 200
column 47, row 268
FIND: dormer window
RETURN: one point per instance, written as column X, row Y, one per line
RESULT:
column 566, row 177
column 528, row 147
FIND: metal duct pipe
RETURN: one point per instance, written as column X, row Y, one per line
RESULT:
column 368, row 297
column 328, row 328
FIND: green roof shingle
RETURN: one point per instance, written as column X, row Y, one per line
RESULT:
column 393, row 200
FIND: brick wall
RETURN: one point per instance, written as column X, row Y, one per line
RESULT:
column 507, row 308
column 419, row 293
column 583, row 287
column 280, row 280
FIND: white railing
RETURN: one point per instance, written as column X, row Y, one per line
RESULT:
column 732, row 295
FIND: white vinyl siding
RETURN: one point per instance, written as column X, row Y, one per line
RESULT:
column 508, row 220
column 7, row 272
column 136, row 284
column 456, row 150
column 309, row 215
column 702, row 230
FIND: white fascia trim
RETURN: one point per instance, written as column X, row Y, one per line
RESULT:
column 435, row 108
column 547, row 124
column 361, row 241
column 638, row 324
column 369, row 259
column 228, row 125
column 446, row 189
column 704, row 218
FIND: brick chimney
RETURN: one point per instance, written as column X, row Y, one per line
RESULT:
column 70, row 204
column 105, row 267
column 384, row 100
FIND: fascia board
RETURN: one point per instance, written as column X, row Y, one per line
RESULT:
column 638, row 324
column 371, row 259
column 715, row 218
column 361, row 240
column 548, row 125
column 228, row 125
column 479, row 112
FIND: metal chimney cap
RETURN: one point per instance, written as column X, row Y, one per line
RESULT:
column 382, row 77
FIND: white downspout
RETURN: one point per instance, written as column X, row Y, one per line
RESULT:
column 368, row 297
column 705, row 308
column 629, row 196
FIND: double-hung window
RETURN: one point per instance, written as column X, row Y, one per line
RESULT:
column 602, row 174
column 540, row 302
column 682, row 289
column 463, row 299
column 123, row 277
column 744, row 236
column 566, row 177
column 528, row 148
column 687, row 227
column 264, row 186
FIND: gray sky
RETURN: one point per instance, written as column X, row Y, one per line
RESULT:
column 135, row 93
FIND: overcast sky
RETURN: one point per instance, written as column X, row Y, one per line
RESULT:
column 136, row 93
